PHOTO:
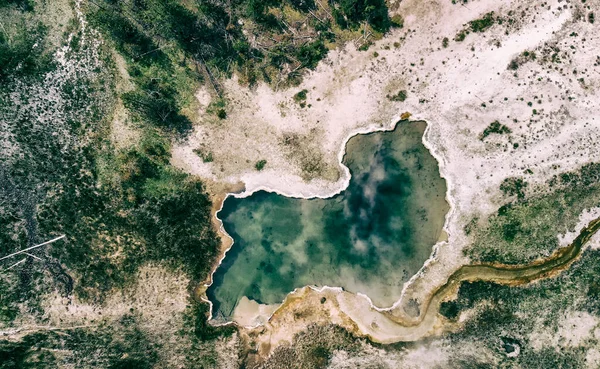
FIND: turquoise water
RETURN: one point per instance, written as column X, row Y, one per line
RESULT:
column 371, row 238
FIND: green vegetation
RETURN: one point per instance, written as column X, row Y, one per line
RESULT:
column 118, row 344
column 24, row 5
column 23, row 50
column 482, row 24
column 158, row 94
column 260, row 164
column 397, row 21
column 221, row 114
column 478, row 26
column 400, row 96
column 206, row 157
column 523, row 58
column 312, row 348
column 119, row 209
column 351, row 13
column 514, row 186
column 445, row 42
column 508, row 314
column 300, row 98
column 504, row 317
column 591, row 18
column 207, row 40
column 494, row 128
column 527, row 229
column 217, row 107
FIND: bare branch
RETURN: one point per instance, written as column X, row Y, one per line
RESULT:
column 33, row 256
column 32, row 247
column 15, row 264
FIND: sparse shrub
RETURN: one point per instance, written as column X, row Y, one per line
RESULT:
column 206, row 157
column 365, row 46
column 494, row 127
column 445, row 42
column 260, row 164
column 521, row 59
column 477, row 25
column 217, row 108
column 591, row 18
column 397, row 21
column 482, row 24
column 300, row 96
column 400, row 96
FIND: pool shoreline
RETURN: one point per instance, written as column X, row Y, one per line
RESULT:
column 345, row 181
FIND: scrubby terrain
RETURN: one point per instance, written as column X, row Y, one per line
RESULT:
column 114, row 292
column 123, row 124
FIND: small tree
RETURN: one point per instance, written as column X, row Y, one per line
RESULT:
column 260, row 164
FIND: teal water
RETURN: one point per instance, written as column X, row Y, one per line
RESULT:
column 371, row 238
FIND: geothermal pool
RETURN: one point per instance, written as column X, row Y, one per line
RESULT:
column 371, row 238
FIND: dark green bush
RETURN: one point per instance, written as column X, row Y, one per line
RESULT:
column 482, row 24
column 26, row 52
column 260, row 164
column 300, row 96
column 400, row 96
column 311, row 53
column 445, row 42
column 496, row 128
column 353, row 12
column 514, row 186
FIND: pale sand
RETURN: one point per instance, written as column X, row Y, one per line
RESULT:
column 454, row 82
column 250, row 313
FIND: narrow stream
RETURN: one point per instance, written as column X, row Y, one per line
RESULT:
column 502, row 274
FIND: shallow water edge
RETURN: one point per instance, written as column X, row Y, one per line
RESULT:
column 331, row 191
column 371, row 238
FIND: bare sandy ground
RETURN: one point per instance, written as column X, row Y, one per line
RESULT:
column 458, row 90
